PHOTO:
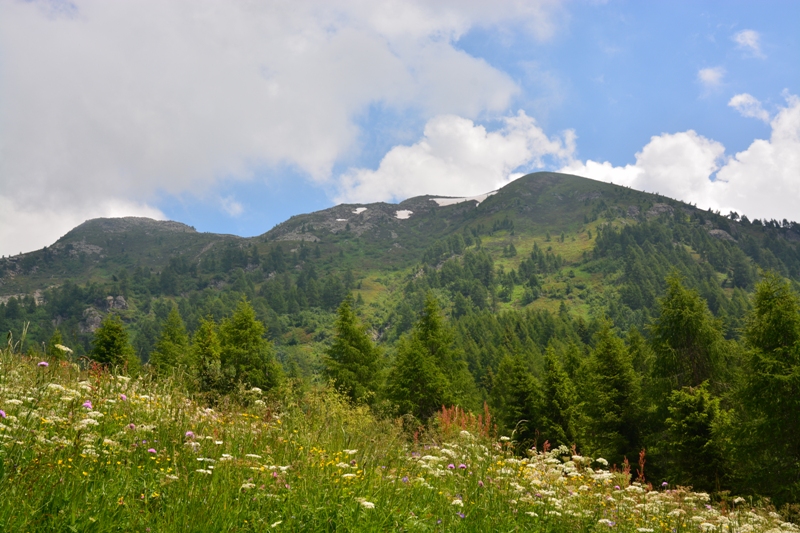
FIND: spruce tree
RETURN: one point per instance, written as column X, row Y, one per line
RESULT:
column 435, row 336
column 687, row 340
column 695, row 453
column 559, row 401
column 613, row 400
column 172, row 347
column 245, row 355
column 111, row 345
column 416, row 384
column 514, row 399
column 53, row 350
column 206, row 356
column 352, row 361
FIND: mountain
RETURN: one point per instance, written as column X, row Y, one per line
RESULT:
column 548, row 241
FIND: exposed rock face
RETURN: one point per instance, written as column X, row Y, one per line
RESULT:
column 721, row 234
column 91, row 320
column 116, row 302
column 659, row 209
column 633, row 211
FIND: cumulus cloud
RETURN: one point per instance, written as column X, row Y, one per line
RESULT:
column 749, row 41
column 749, row 106
column 711, row 77
column 761, row 181
column 102, row 101
column 231, row 206
column 456, row 157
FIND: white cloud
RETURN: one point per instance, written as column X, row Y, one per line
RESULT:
column 711, row 77
column 456, row 157
column 749, row 106
column 231, row 206
column 135, row 98
column 761, row 181
column 749, row 41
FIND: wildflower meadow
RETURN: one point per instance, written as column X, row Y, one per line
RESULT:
column 84, row 449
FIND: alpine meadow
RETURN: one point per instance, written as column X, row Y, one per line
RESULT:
column 559, row 355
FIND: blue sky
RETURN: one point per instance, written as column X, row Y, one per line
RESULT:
column 232, row 117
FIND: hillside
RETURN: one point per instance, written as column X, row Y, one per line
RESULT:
column 579, row 313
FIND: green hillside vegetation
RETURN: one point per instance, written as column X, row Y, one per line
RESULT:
column 577, row 313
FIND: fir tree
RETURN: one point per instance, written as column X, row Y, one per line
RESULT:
column 352, row 361
column 245, row 355
column 111, row 345
column 172, row 347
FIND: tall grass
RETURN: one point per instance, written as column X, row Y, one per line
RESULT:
column 86, row 450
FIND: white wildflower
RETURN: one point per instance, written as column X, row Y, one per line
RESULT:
column 458, row 502
column 203, row 471
column 248, row 486
column 252, row 456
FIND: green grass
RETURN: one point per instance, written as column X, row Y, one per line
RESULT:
column 92, row 452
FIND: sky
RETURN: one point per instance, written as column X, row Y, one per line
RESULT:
column 233, row 115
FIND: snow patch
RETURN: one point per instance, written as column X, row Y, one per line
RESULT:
column 359, row 210
column 450, row 201
column 403, row 214
column 341, row 220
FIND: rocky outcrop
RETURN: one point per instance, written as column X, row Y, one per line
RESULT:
column 721, row 234
column 91, row 320
column 658, row 210
column 116, row 302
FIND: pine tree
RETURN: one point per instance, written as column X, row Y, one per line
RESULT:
column 352, row 361
column 206, row 356
column 613, row 404
column 245, row 355
column 172, row 347
column 111, row 345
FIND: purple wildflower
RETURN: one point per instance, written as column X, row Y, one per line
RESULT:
column 2, row 413
column 152, row 450
column 405, row 479
column 480, row 483
column 43, row 363
column 451, row 466
column 664, row 484
column 131, row 426
column 123, row 397
column 87, row 404
column 189, row 434
column 462, row 466
column 461, row 515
